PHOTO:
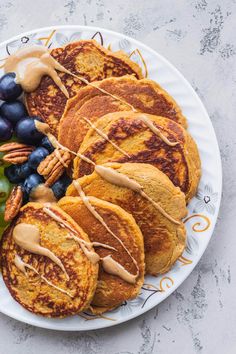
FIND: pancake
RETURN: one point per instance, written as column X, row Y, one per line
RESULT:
column 84, row 58
column 144, row 95
column 164, row 240
column 33, row 292
column 111, row 290
column 181, row 163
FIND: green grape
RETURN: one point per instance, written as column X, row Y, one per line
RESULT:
column 2, row 170
column 1, row 160
column 3, row 223
column 5, row 188
column 3, row 163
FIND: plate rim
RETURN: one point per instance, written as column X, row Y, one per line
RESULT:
column 218, row 161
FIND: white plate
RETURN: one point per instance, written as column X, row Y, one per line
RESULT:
column 203, row 209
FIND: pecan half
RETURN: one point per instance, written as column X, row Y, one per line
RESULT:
column 16, row 157
column 16, row 152
column 13, row 146
column 13, row 203
column 54, row 165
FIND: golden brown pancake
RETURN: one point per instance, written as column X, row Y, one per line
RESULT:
column 111, row 290
column 144, row 95
column 164, row 241
column 181, row 163
column 31, row 291
column 84, row 58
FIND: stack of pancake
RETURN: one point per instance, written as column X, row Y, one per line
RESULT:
column 132, row 126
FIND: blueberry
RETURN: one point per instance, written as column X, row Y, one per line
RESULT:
column 9, row 89
column 37, row 156
column 31, row 182
column 12, row 173
column 13, row 111
column 6, row 129
column 47, row 144
column 26, row 131
column 60, row 186
column 24, row 170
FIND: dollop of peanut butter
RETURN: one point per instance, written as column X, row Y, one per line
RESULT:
column 27, row 236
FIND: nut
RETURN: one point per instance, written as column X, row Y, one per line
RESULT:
column 54, row 166
column 14, row 146
column 18, row 156
column 13, row 203
column 54, row 176
column 46, row 166
column 16, row 152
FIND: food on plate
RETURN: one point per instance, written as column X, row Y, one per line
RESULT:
column 43, row 265
column 10, row 90
column 138, row 137
column 113, row 227
column 31, row 183
column 140, row 95
column 60, row 186
column 158, row 217
column 6, row 129
column 47, row 144
column 13, row 111
column 26, row 131
column 96, row 170
column 36, row 156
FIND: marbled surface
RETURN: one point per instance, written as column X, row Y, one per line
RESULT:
column 198, row 37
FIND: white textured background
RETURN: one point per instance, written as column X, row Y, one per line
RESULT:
column 198, row 37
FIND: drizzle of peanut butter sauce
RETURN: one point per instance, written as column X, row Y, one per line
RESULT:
column 117, row 178
column 59, row 157
column 21, row 265
column 110, row 265
column 42, row 194
column 27, row 236
column 148, row 122
column 30, row 64
column 144, row 118
column 89, row 252
column 93, row 211
column 121, row 180
column 104, row 136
